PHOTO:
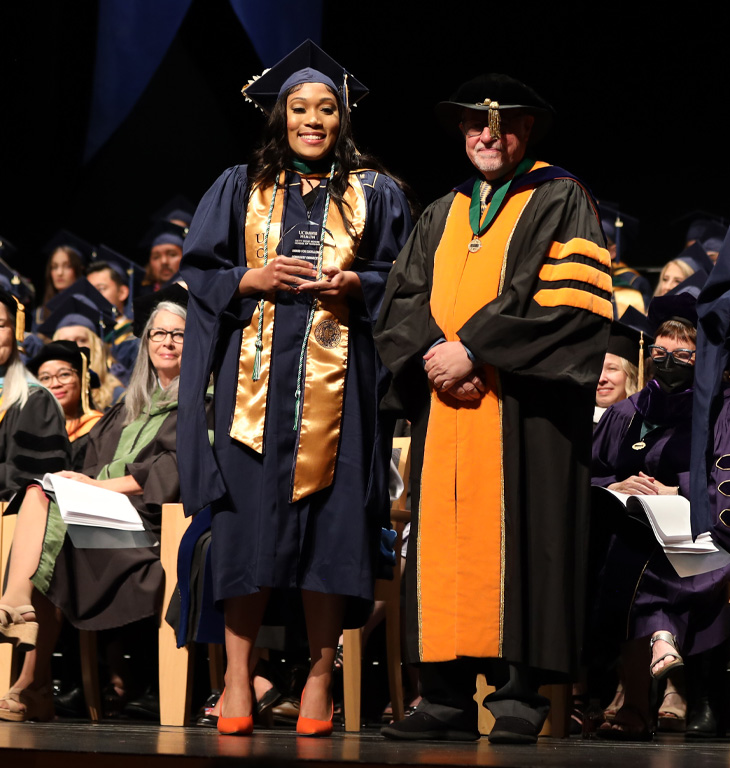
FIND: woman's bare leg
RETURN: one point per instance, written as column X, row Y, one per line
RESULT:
column 243, row 620
column 30, row 530
column 324, row 615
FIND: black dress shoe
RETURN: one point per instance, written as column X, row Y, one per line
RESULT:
column 702, row 723
column 146, row 707
column 424, row 727
column 71, row 704
column 513, row 730
column 206, row 718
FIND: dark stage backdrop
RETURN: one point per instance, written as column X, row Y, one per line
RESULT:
column 641, row 98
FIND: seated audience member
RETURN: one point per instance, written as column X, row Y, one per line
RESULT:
column 118, row 280
column 165, row 242
column 62, row 367
column 68, row 255
column 709, row 231
column 641, row 447
column 131, row 451
column 673, row 273
column 623, row 366
column 86, row 322
column 32, row 435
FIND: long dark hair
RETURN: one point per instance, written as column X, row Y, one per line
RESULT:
column 76, row 264
column 274, row 154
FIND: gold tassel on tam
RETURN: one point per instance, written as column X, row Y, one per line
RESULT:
column 19, row 322
column 85, row 384
column 495, row 124
column 641, row 360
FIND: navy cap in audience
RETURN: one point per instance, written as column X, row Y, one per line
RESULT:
column 164, row 233
column 306, row 64
column 618, row 226
column 144, row 306
column 77, row 309
column 679, row 303
column 13, row 282
column 66, row 239
column 627, row 335
column 696, row 257
column 178, row 210
column 82, row 287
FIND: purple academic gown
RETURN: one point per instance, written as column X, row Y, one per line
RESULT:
column 638, row 586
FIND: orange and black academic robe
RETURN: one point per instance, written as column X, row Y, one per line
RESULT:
column 502, row 498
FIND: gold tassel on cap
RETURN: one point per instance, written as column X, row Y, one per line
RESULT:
column 19, row 322
column 85, row 384
column 641, row 360
column 495, row 124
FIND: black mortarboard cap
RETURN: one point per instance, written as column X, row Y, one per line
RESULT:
column 12, row 281
column 82, row 287
column 703, row 225
column 78, row 309
column 626, row 333
column 680, row 302
column 70, row 353
column 178, row 207
column 164, row 232
column 495, row 92
column 84, row 249
column 144, row 306
column 618, row 226
column 696, row 257
column 306, row 64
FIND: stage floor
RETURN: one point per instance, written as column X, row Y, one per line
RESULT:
column 132, row 745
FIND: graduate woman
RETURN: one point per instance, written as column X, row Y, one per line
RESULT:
column 286, row 262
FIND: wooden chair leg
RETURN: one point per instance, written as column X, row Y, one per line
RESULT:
column 351, row 677
column 558, row 720
column 175, row 672
column 90, row 674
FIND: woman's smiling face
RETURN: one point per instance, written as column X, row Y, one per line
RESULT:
column 312, row 121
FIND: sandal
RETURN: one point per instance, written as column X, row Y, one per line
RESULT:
column 625, row 728
column 672, row 719
column 28, row 704
column 669, row 639
column 15, row 629
column 618, row 701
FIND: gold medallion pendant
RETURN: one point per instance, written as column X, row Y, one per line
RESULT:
column 475, row 245
column 639, row 446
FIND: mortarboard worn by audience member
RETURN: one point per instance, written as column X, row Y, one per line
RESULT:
column 697, row 257
column 620, row 230
column 179, row 210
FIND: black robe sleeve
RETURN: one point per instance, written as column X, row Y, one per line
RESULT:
column 33, row 441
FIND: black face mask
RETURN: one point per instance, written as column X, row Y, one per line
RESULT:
column 673, row 376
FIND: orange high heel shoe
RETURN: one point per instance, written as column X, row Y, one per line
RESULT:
column 234, row 726
column 308, row 726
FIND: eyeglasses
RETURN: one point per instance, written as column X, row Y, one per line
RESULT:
column 158, row 334
column 659, row 354
column 62, row 377
column 474, row 128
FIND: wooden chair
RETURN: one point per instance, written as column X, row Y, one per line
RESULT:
column 175, row 664
column 8, row 659
column 388, row 591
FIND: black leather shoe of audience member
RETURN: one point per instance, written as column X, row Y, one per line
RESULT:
column 205, row 718
column 513, row 730
column 425, row 727
column 702, row 723
column 146, row 707
column 71, row 704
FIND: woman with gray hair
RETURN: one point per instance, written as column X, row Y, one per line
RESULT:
column 131, row 451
